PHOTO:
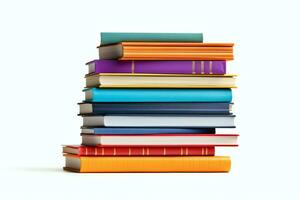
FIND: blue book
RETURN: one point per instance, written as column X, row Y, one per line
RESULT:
column 157, row 95
column 117, row 37
column 88, row 130
column 155, row 108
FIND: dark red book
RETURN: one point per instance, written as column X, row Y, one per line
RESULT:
column 138, row 151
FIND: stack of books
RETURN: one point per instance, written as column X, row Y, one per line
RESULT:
column 156, row 102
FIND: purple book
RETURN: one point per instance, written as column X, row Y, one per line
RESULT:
column 157, row 67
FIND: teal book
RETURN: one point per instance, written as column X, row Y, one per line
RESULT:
column 117, row 37
column 157, row 95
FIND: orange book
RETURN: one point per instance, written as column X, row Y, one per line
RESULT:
column 148, row 164
column 167, row 51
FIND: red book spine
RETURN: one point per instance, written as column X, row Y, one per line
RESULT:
column 147, row 151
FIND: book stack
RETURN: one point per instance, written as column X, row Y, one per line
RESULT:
column 156, row 102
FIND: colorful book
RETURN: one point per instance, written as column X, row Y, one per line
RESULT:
column 160, row 120
column 157, row 67
column 118, row 80
column 162, row 140
column 138, row 151
column 154, row 108
column 142, row 130
column 167, row 51
column 117, row 37
column 147, row 163
column 157, row 95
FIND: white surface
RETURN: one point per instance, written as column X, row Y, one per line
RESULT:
column 56, row 38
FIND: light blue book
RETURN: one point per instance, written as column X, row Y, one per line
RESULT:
column 157, row 95
column 117, row 37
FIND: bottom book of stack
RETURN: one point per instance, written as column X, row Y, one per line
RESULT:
column 147, row 164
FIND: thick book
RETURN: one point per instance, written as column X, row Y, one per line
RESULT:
column 161, row 140
column 157, row 67
column 118, row 80
column 160, row 120
column 167, row 51
column 138, row 151
column 157, row 95
column 147, row 163
column 142, row 130
column 117, row 37
column 154, row 108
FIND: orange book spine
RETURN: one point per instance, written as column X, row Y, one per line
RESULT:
column 176, row 49
column 177, row 57
column 152, row 164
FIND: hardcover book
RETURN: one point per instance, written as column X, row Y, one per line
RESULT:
column 145, row 130
column 154, row 108
column 157, row 67
column 114, row 80
column 117, row 37
column 142, row 130
column 138, row 151
column 157, row 95
column 147, row 163
column 167, row 51
column 160, row 120
column 162, row 140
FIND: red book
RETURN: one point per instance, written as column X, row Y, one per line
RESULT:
column 138, row 151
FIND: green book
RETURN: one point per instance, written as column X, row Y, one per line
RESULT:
column 117, row 37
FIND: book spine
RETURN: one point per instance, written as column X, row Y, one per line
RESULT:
column 161, row 108
column 112, row 38
column 154, row 164
column 147, row 151
column 113, row 131
column 159, row 67
column 175, row 56
column 159, row 95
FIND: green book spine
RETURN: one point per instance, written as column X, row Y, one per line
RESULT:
column 115, row 37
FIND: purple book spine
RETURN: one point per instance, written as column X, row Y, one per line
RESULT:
column 157, row 67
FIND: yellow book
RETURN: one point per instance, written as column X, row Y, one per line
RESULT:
column 160, row 81
column 148, row 164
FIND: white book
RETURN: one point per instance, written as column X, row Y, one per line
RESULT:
column 161, row 140
column 213, row 121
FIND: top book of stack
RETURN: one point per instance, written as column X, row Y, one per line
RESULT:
column 108, row 38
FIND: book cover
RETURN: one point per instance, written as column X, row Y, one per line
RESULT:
column 167, row 51
column 85, row 164
column 142, row 130
column 138, row 151
column 160, row 120
column 119, row 80
column 157, row 95
column 162, row 140
column 154, row 108
column 157, row 67
column 117, row 37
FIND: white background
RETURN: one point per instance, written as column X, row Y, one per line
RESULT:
column 44, row 46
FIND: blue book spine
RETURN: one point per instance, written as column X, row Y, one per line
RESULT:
column 158, row 95
column 153, row 130
column 160, row 108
